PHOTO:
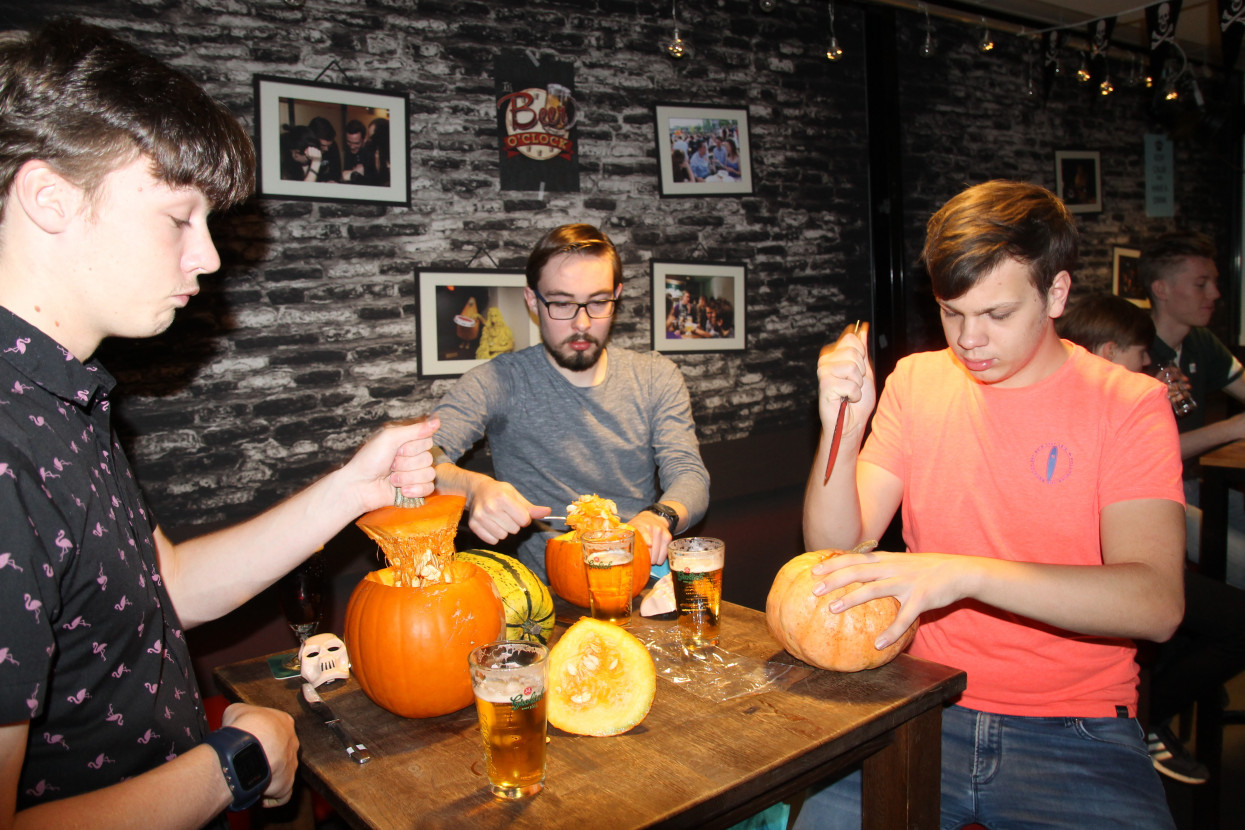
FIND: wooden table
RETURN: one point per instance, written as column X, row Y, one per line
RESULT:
column 691, row 763
column 1221, row 469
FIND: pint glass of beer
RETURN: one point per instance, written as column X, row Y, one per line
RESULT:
column 607, row 561
column 508, row 679
column 696, row 573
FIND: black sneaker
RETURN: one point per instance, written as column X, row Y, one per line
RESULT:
column 1170, row 757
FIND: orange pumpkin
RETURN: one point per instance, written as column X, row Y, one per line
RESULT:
column 568, row 577
column 408, row 645
column 602, row 679
column 805, row 626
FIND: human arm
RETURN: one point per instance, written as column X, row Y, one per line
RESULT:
column 495, row 508
column 1195, row 442
column 211, row 575
column 144, row 800
column 1137, row 591
column 317, row 160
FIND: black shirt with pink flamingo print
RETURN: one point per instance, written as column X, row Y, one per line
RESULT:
column 91, row 649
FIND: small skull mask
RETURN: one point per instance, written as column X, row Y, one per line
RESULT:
column 324, row 659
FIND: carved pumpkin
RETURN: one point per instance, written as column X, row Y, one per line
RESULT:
column 568, row 576
column 410, row 627
column 408, row 645
column 601, row 680
column 805, row 626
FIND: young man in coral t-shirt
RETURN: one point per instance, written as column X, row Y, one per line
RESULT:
column 1043, row 516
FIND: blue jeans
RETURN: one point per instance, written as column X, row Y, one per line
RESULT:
column 1009, row 772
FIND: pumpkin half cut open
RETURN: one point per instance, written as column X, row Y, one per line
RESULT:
column 601, row 680
column 564, row 557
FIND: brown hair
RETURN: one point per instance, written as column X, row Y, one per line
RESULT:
column 977, row 230
column 1171, row 249
column 1097, row 319
column 566, row 239
column 85, row 102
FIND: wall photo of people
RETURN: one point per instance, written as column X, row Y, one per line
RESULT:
column 469, row 317
column 703, row 151
column 336, row 143
column 700, row 306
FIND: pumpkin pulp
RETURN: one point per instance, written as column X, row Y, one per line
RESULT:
column 601, row 680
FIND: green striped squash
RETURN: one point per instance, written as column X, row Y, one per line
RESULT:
column 528, row 603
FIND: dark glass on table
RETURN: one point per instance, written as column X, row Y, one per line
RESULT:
column 301, row 593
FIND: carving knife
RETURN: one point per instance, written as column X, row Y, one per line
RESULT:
column 838, row 424
column 354, row 747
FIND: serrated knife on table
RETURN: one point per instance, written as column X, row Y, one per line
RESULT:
column 354, row 747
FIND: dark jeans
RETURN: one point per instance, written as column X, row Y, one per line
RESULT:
column 1206, row 651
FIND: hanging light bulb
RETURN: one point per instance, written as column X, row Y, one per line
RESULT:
column 767, row 5
column 834, row 52
column 675, row 48
column 927, row 45
column 1106, row 87
column 1082, row 71
column 987, row 42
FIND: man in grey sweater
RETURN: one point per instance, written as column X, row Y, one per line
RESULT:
column 570, row 417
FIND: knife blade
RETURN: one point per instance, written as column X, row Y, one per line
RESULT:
column 354, row 747
column 837, row 436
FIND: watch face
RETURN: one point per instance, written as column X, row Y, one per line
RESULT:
column 251, row 766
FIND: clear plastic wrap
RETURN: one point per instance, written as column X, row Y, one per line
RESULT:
column 711, row 672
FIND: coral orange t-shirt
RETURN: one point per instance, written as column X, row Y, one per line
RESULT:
column 1023, row 474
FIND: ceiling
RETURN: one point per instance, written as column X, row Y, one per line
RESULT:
column 1197, row 28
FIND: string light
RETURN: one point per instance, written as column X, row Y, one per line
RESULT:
column 835, row 51
column 1106, row 87
column 675, row 48
column 987, row 42
column 1082, row 71
column 927, row 46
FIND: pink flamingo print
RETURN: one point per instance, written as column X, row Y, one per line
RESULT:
column 172, row 753
column 6, row 657
column 55, row 740
column 79, row 697
column 20, row 388
column 115, row 716
column 99, row 761
column 83, row 395
column 19, row 346
column 155, row 649
column 123, row 604
column 76, row 622
column 5, row 471
column 168, row 713
column 148, row 736
column 65, row 352
column 99, row 530
column 6, row 561
column 60, row 465
column 102, row 579
column 45, row 475
column 33, row 604
column 32, row 702
column 37, row 420
column 151, row 687
column 100, row 648
column 41, row 788
column 66, row 545
column 121, row 669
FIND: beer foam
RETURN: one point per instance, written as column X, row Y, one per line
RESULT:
column 504, row 690
column 700, row 563
column 610, row 558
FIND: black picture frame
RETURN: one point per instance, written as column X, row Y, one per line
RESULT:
column 1078, row 180
column 283, row 104
column 682, row 127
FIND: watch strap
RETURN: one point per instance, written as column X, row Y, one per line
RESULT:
column 667, row 513
column 229, row 742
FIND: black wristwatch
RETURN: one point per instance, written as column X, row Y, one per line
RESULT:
column 243, row 762
column 666, row 513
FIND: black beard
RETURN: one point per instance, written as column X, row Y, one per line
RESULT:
column 577, row 361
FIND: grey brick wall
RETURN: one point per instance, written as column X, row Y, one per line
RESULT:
column 306, row 339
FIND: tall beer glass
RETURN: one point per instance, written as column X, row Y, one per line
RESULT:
column 696, row 573
column 508, row 679
column 607, row 560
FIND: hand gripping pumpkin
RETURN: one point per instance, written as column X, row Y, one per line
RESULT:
column 564, row 558
column 805, row 626
column 410, row 627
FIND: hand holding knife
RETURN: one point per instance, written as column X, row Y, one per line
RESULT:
column 838, row 424
column 354, row 747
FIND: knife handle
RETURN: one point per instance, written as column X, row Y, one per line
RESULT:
column 354, row 747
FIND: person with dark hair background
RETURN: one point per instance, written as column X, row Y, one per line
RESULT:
column 330, row 155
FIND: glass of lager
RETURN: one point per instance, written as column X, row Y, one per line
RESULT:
column 696, row 573
column 508, row 679
column 607, row 561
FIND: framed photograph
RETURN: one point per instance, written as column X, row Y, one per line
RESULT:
column 1126, row 277
column 1078, row 180
column 331, row 143
column 703, row 150
column 699, row 306
column 469, row 317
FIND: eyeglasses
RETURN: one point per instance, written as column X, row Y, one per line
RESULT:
column 566, row 310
